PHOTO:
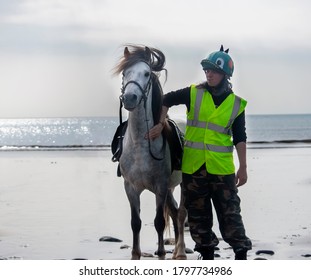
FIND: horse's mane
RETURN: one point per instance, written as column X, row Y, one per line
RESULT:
column 157, row 96
column 153, row 57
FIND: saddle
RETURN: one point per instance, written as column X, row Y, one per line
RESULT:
column 171, row 133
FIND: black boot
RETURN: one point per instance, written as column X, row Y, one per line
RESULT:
column 240, row 254
column 206, row 253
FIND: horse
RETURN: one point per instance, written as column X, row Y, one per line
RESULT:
column 146, row 164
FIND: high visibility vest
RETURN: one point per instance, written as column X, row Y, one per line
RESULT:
column 208, row 136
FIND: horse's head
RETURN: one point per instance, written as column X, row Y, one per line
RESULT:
column 140, row 67
column 136, row 81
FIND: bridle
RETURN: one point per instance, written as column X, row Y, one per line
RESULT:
column 145, row 93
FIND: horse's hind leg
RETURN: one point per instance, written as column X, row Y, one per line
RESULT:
column 134, row 200
column 178, row 215
column 180, row 247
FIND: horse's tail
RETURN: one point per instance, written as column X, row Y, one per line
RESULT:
column 167, row 219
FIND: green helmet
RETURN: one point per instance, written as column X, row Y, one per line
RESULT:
column 219, row 61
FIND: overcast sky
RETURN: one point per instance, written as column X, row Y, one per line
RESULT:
column 56, row 56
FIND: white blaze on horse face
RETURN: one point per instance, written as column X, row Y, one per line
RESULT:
column 135, row 82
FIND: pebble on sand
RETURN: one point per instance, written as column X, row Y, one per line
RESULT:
column 109, row 239
column 267, row 252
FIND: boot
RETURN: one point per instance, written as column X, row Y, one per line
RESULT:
column 240, row 254
column 206, row 254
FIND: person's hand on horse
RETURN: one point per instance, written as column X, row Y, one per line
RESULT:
column 154, row 132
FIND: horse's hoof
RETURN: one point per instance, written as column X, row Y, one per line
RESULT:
column 181, row 258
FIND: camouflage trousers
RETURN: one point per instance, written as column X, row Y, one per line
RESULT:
column 200, row 190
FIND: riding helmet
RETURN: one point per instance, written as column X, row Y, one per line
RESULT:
column 219, row 61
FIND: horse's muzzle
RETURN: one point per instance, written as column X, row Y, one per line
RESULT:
column 129, row 100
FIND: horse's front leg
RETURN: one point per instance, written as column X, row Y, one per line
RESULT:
column 159, row 223
column 134, row 199
column 136, row 226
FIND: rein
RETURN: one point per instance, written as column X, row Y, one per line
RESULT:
column 145, row 94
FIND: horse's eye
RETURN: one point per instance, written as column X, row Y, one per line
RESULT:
column 147, row 74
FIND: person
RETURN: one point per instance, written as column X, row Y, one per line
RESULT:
column 215, row 124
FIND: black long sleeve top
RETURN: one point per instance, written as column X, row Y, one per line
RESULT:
column 182, row 96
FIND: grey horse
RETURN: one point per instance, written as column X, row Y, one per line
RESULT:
column 146, row 164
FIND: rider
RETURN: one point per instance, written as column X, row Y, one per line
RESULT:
column 215, row 123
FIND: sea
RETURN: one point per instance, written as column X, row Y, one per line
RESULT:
column 93, row 133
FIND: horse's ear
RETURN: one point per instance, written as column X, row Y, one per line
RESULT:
column 126, row 52
column 148, row 54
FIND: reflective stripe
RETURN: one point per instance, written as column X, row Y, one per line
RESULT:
column 235, row 110
column 194, row 145
column 196, row 123
column 198, row 102
column 210, row 147
column 218, row 128
column 209, row 125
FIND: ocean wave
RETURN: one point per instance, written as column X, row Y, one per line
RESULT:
column 55, row 148
column 302, row 143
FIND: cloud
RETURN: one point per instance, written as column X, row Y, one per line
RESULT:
column 96, row 22
column 67, row 39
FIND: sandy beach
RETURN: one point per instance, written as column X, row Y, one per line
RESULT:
column 58, row 204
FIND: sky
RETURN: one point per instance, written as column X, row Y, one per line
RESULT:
column 56, row 57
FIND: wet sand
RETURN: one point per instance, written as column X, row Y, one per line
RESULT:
column 58, row 204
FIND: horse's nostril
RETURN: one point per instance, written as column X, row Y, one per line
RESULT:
column 134, row 97
column 130, row 97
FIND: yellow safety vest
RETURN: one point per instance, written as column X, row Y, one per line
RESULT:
column 208, row 136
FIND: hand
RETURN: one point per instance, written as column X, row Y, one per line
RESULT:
column 241, row 177
column 154, row 132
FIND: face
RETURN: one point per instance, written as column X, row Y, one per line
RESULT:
column 135, row 81
column 213, row 77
